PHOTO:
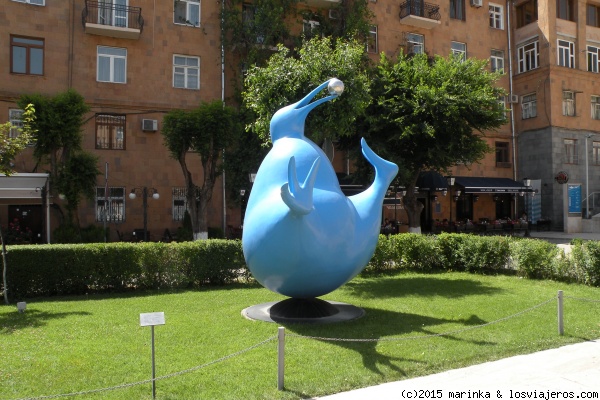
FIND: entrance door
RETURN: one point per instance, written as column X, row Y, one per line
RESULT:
column 29, row 219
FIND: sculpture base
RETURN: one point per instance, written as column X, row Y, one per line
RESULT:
column 303, row 311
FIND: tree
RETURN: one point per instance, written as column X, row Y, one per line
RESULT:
column 206, row 131
column 431, row 115
column 58, row 138
column 286, row 78
column 11, row 146
column 252, row 31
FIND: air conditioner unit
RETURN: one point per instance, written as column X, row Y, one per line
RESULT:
column 150, row 125
column 334, row 14
column 513, row 98
column 476, row 3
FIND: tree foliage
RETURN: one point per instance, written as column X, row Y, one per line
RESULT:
column 58, row 138
column 431, row 115
column 11, row 146
column 286, row 78
column 205, row 131
column 252, row 31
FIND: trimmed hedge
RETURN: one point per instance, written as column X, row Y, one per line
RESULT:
column 64, row 269
column 48, row 270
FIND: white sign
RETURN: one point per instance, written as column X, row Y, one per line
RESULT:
column 151, row 319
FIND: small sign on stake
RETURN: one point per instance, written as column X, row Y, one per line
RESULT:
column 152, row 319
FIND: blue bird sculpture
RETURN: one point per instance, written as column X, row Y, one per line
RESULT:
column 302, row 236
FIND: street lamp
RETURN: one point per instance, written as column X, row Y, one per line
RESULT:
column 451, row 180
column 527, row 183
column 242, row 194
column 145, row 194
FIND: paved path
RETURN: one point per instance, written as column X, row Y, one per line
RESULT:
column 573, row 368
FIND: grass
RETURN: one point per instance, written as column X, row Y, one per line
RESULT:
column 72, row 344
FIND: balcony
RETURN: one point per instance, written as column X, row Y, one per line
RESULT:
column 114, row 20
column 323, row 3
column 419, row 14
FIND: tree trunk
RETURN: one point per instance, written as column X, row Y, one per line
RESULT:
column 413, row 209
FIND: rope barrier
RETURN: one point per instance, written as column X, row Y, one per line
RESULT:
column 582, row 299
column 126, row 385
column 423, row 336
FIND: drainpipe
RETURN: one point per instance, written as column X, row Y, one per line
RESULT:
column 223, row 101
column 510, row 91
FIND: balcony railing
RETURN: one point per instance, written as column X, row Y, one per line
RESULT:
column 420, row 14
column 109, row 19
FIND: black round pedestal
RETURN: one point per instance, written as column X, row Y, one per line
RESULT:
column 313, row 311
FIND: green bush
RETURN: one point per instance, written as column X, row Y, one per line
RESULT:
column 484, row 253
column 535, row 258
column 586, row 263
column 68, row 233
column 62, row 269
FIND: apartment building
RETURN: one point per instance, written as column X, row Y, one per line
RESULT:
column 135, row 60
column 556, row 80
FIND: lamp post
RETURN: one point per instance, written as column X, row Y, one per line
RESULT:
column 145, row 195
column 242, row 194
column 527, row 183
column 451, row 180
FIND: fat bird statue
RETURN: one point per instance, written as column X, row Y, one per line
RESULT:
column 303, row 237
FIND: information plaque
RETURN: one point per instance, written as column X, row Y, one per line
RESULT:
column 152, row 319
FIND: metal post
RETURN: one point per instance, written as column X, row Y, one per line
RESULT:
column 561, row 328
column 145, row 205
column 153, row 365
column 280, row 357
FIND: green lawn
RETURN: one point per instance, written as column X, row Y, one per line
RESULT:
column 72, row 344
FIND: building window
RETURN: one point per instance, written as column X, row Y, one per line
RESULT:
column 26, row 55
column 529, row 106
column 497, row 61
column 596, row 153
column 186, row 72
column 179, row 203
column 502, row 155
column 527, row 13
column 564, row 9
column 457, row 9
column 112, row 64
column 568, row 103
column 110, row 131
column 496, row 16
column 595, row 107
column 459, row 50
column 415, row 43
column 593, row 15
column 110, row 206
column 566, row 53
column 372, row 40
column 34, row 2
column 570, row 151
column 528, row 56
column 15, row 117
column 311, row 28
column 593, row 59
column 187, row 12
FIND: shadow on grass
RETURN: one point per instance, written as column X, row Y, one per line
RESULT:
column 13, row 321
column 139, row 293
column 380, row 324
column 425, row 286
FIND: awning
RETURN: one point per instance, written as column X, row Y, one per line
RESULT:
column 22, row 186
column 26, row 186
column 490, row 185
column 432, row 181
